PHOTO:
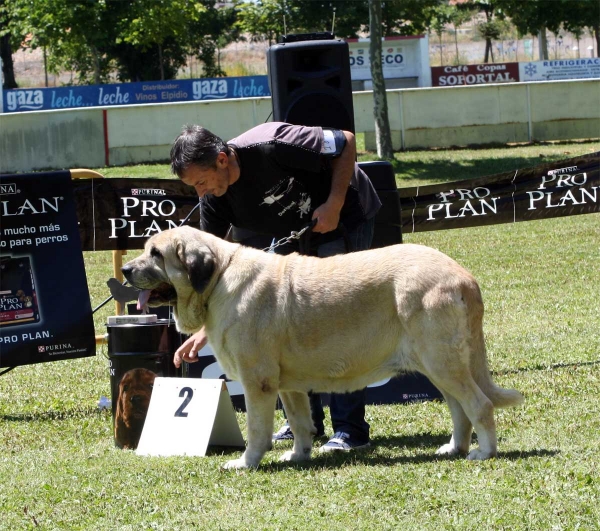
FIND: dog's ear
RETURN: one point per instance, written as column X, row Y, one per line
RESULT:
column 199, row 262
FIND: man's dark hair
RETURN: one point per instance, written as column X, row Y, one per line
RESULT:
column 196, row 145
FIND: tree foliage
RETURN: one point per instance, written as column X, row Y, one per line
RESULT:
column 6, row 48
column 210, row 31
column 347, row 19
column 263, row 20
column 152, row 39
column 494, row 25
column 140, row 39
column 535, row 16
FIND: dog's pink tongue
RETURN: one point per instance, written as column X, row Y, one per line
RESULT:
column 143, row 299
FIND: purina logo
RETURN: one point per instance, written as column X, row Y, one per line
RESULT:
column 8, row 188
column 55, row 348
column 147, row 191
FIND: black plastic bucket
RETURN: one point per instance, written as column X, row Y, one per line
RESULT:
column 138, row 349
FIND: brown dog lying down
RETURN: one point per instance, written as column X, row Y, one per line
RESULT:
column 135, row 389
column 291, row 324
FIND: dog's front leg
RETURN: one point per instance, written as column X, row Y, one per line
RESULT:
column 260, row 406
column 297, row 409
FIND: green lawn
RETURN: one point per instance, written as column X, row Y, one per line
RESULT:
column 59, row 468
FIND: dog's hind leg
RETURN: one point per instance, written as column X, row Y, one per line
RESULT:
column 448, row 370
column 461, row 432
column 479, row 410
column 297, row 408
column 261, row 397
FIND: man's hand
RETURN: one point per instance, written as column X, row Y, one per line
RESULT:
column 327, row 216
column 188, row 351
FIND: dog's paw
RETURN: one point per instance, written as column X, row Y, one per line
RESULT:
column 237, row 464
column 479, row 455
column 290, row 456
column 449, row 450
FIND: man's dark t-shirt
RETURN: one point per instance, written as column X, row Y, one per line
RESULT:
column 285, row 175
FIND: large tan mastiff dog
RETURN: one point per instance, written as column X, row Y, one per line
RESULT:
column 292, row 324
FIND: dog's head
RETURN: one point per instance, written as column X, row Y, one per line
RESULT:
column 135, row 389
column 176, row 267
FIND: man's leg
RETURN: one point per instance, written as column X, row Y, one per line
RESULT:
column 316, row 413
column 350, row 428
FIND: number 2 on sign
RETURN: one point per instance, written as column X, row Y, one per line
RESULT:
column 189, row 393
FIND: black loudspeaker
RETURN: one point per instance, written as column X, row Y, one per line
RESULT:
column 310, row 83
column 388, row 221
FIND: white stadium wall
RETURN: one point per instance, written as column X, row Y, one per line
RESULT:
column 483, row 114
column 144, row 133
column 51, row 140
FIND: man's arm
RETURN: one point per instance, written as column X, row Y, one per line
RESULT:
column 328, row 214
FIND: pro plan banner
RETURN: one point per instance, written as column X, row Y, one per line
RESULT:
column 564, row 188
column 45, row 311
column 123, row 213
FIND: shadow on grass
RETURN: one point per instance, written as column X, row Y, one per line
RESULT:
column 369, row 458
column 377, row 454
column 43, row 416
column 434, row 170
column 553, row 366
column 440, row 171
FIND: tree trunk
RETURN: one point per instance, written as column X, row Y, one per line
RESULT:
column 383, row 135
column 456, row 44
column 543, row 45
column 597, row 35
column 488, row 48
column 96, row 57
column 160, row 61
column 45, row 67
column 7, row 63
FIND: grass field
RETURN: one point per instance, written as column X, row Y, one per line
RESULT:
column 59, row 468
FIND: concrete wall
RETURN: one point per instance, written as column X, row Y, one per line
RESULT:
column 137, row 134
column 51, row 140
column 431, row 117
column 565, row 111
column 516, row 112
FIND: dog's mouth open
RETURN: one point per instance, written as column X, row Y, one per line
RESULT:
column 159, row 296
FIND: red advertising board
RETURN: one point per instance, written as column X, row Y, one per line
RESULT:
column 455, row 75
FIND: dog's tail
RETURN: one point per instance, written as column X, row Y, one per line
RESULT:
column 499, row 396
column 480, row 371
column 506, row 397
